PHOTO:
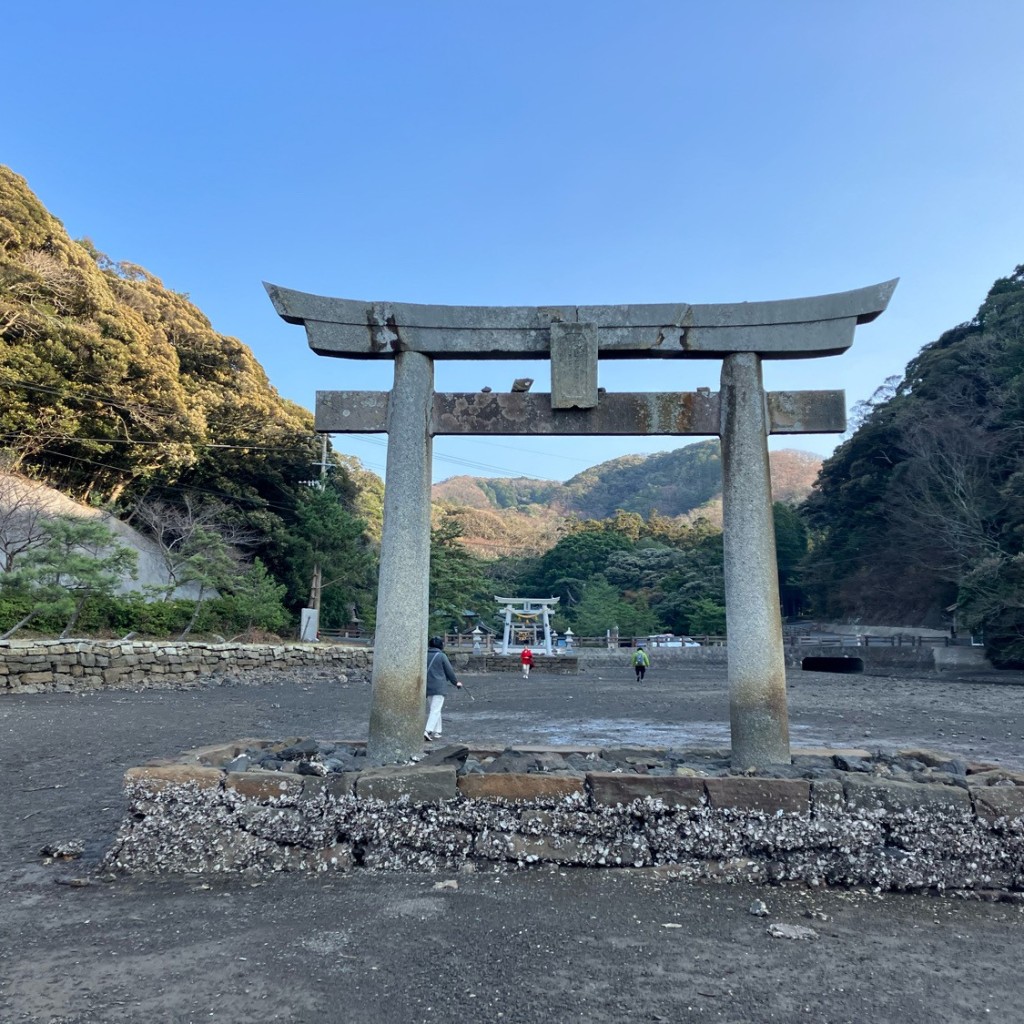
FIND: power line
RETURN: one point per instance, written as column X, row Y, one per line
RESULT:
column 260, row 502
column 86, row 395
column 168, row 444
column 469, row 463
column 107, row 400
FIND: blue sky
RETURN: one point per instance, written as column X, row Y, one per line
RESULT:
column 533, row 153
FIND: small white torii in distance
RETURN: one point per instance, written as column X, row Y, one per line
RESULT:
column 527, row 606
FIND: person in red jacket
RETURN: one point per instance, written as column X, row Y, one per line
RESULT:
column 526, row 660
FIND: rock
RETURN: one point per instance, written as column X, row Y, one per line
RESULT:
column 791, row 796
column 646, row 755
column 612, row 788
column 519, row 787
column 549, row 761
column 588, row 763
column 807, row 761
column 421, row 785
column 932, row 758
column 782, row 771
column 455, row 754
column 238, row 764
column 903, row 797
column 449, row 884
column 758, row 909
column 791, row 931
column 298, row 751
column 67, row 849
column 514, row 761
column 994, row 802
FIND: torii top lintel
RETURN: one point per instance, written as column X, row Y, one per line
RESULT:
column 819, row 325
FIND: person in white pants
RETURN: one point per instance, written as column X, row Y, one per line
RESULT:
column 439, row 672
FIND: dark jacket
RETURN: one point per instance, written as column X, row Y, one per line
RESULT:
column 439, row 669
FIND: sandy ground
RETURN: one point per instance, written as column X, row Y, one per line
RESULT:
column 532, row 946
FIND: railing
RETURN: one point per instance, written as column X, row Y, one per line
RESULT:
column 869, row 640
column 356, row 637
column 490, row 644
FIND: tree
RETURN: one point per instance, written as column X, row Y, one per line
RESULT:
column 706, row 617
column 790, row 550
column 644, row 568
column 79, row 559
column 697, row 584
column 458, row 581
column 325, row 533
column 923, row 500
column 991, row 603
column 257, row 600
column 23, row 513
column 578, row 556
column 210, row 564
column 602, row 608
column 176, row 530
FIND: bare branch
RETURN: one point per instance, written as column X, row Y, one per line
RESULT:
column 23, row 510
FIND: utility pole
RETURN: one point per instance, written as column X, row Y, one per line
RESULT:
column 315, row 588
column 309, row 628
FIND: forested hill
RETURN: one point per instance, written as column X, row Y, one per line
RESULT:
column 114, row 384
column 919, row 515
column 118, row 390
column 674, row 483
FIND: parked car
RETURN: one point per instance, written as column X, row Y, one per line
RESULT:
column 670, row 640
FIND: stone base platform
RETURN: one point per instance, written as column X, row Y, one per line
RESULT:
column 919, row 820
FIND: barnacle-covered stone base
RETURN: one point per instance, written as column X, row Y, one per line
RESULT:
column 834, row 827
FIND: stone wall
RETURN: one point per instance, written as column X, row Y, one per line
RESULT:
column 881, row 660
column 38, row 666
column 853, row 828
column 877, row 660
column 716, row 654
column 562, row 664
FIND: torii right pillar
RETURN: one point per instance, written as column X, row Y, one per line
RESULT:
column 757, row 663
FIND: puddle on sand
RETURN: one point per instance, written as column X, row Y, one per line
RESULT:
column 587, row 732
column 496, row 728
column 626, row 732
column 599, row 732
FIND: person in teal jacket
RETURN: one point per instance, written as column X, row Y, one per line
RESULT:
column 640, row 662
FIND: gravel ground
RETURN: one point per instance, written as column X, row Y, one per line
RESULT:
column 531, row 946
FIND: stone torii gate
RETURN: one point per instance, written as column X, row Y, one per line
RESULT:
column 574, row 338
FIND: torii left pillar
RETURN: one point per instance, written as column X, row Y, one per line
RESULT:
column 400, row 644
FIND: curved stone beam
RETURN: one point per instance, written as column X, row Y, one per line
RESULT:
column 819, row 325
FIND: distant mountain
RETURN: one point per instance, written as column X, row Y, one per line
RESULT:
column 500, row 493
column 506, row 516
